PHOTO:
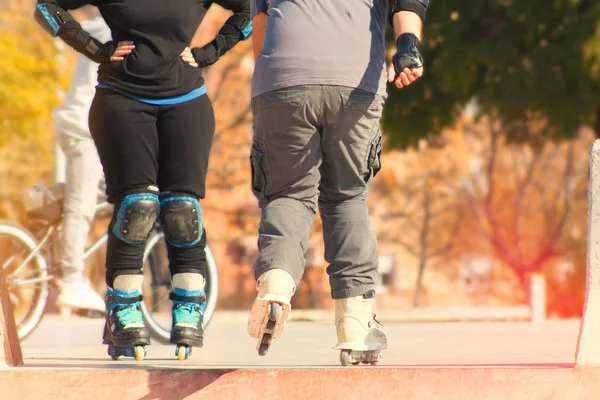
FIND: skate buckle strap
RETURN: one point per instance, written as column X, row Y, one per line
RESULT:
column 118, row 297
column 196, row 297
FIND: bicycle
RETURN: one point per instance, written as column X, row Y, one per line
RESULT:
column 30, row 262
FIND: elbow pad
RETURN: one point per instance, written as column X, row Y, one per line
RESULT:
column 234, row 5
column 51, row 18
column 59, row 22
column 419, row 7
column 237, row 28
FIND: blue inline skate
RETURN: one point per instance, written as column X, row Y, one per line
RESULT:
column 124, row 331
column 187, row 330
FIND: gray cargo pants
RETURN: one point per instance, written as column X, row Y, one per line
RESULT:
column 317, row 144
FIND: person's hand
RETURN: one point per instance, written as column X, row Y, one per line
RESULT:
column 407, row 64
column 188, row 57
column 123, row 49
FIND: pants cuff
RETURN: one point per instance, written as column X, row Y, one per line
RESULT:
column 261, row 269
column 352, row 292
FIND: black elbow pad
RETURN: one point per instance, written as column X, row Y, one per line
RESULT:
column 237, row 28
column 242, row 23
column 51, row 18
column 234, row 5
column 419, row 7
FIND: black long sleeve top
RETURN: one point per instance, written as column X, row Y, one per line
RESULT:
column 160, row 30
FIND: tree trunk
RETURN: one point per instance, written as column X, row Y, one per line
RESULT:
column 525, row 279
column 419, row 286
column 424, row 245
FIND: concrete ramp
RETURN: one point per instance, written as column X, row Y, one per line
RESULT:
column 451, row 383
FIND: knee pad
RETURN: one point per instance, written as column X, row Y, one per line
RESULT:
column 135, row 217
column 181, row 217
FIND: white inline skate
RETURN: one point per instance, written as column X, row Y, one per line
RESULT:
column 360, row 336
column 271, row 307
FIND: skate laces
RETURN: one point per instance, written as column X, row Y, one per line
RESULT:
column 129, row 314
column 188, row 306
column 187, row 313
column 125, row 306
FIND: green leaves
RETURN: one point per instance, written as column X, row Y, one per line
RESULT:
column 521, row 60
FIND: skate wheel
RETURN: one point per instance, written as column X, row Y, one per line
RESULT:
column 346, row 358
column 182, row 352
column 265, row 344
column 274, row 313
column 139, row 353
column 263, row 349
column 114, row 353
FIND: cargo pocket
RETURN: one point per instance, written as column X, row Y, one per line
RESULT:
column 374, row 158
column 256, row 167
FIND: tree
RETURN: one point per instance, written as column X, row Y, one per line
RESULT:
column 522, row 199
column 522, row 60
column 32, row 74
column 418, row 207
column 31, row 79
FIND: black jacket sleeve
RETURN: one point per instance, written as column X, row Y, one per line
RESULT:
column 237, row 28
column 53, row 17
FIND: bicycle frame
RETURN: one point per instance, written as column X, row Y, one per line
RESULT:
column 53, row 229
column 28, row 259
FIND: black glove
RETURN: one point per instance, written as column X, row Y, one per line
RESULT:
column 407, row 53
column 205, row 56
column 103, row 54
column 237, row 28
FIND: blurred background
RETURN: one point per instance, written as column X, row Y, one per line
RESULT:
column 482, row 199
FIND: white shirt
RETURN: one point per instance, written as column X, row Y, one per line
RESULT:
column 71, row 117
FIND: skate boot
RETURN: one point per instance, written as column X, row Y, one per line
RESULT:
column 81, row 298
column 187, row 330
column 360, row 335
column 124, row 331
column 271, row 307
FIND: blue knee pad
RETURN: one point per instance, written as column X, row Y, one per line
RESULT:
column 135, row 218
column 181, row 217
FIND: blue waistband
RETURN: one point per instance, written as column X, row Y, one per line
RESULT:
column 194, row 94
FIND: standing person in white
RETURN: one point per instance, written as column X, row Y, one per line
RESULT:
column 83, row 173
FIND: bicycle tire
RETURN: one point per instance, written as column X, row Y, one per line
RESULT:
column 159, row 332
column 35, row 312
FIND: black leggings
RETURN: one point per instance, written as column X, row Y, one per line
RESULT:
column 141, row 146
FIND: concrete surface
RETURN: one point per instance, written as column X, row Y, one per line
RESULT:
column 76, row 342
column 518, row 360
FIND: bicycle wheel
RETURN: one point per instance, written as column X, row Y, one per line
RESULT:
column 156, row 306
column 26, row 275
